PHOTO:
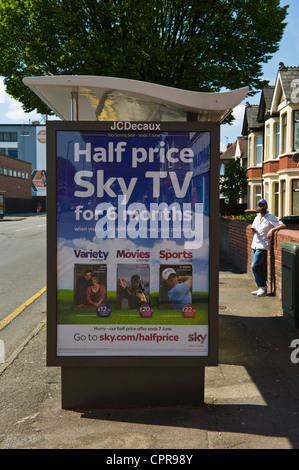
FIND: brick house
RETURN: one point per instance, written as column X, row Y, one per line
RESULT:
column 15, row 177
column 15, row 184
column 272, row 130
column 235, row 150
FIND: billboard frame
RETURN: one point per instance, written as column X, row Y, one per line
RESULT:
column 131, row 361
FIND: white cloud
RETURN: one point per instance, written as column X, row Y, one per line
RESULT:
column 238, row 114
column 222, row 147
column 2, row 92
column 11, row 110
column 230, row 132
column 16, row 113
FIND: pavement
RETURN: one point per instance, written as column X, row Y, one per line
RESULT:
column 251, row 397
column 14, row 217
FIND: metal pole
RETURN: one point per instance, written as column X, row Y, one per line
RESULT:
column 74, row 106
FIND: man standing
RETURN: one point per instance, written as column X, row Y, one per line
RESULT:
column 263, row 227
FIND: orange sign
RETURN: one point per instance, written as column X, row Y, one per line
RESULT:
column 39, row 179
column 41, row 137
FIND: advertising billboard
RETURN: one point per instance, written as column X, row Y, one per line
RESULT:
column 132, row 231
column 39, row 175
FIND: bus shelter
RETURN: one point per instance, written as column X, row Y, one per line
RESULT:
column 132, row 242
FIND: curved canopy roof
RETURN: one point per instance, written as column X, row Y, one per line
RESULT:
column 93, row 98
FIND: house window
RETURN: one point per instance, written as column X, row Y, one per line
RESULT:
column 258, row 150
column 295, row 197
column 283, row 197
column 277, row 137
column 12, row 153
column 267, row 142
column 276, row 199
column 258, row 194
column 284, row 133
column 296, row 130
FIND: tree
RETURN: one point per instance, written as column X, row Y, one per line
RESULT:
column 197, row 45
column 233, row 184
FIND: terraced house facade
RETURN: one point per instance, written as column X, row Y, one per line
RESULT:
column 272, row 130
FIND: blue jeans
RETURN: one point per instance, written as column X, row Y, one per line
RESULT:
column 258, row 257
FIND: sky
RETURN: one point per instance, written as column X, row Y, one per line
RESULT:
column 11, row 111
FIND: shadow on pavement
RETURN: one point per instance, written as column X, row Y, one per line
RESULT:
column 255, row 389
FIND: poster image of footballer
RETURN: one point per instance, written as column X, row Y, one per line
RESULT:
column 133, row 281
column 90, row 286
column 175, row 286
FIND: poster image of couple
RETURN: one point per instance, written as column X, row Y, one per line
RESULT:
column 90, row 286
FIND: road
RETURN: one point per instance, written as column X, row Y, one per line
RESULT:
column 23, row 274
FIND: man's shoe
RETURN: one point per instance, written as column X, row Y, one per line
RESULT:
column 262, row 291
column 254, row 292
